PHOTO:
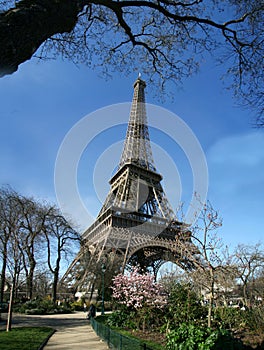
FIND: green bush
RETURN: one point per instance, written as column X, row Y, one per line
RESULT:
column 254, row 319
column 36, row 311
column 237, row 319
column 184, row 306
column 41, row 307
column 77, row 305
column 121, row 319
column 191, row 337
column 3, row 307
column 230, row 318
column 31, row 304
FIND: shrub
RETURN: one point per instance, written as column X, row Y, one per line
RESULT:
column 184, row 306
column 121, row 319
column 37, row 311
column 41, row 307
column 77, row 305
column 254, row 318
column 230, row 318
column 191, row 337
column 3, row 307
column 237, row 319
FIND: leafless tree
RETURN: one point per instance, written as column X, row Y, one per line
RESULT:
column 60, row 239
column 249, row 260
column 19, row 229
column 15, row 268
column 213, row 269
column 10, row 223
column 34, row 216
column 10, row 238
column 33, row 235
column 166, row 39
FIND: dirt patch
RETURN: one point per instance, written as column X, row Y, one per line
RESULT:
column 155, row 337
column 251, row 339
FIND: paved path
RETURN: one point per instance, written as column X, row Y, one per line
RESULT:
column 73, row 331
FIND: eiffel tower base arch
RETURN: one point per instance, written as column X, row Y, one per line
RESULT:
column 119, row 249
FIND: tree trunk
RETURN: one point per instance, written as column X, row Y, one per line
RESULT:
column 3, row 273
column 211, row 299
column 210, row 311
column 54, row 287
column 10, row 308
column 55, row 280
column 24, row 28
column 245, row 294
column 30, row 278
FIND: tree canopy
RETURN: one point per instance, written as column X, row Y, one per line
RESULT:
column 165, row 39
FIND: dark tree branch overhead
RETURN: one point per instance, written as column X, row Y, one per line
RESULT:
column 24, row 28
column 165, row 38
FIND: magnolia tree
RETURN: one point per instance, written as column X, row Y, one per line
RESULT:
column 139, row 292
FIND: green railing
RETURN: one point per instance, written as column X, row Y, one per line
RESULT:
column 116, row 340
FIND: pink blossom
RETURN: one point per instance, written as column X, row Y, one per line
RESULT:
column 138, row 290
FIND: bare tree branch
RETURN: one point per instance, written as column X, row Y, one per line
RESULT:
column 147, row 33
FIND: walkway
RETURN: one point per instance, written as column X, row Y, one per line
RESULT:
column 73, row 331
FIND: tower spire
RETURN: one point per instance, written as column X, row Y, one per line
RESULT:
column 137, row 148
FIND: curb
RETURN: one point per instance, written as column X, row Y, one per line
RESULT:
column 47, row 339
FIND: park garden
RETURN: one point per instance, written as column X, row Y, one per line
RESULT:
column 215, row 304
column 217, row 300
column 174, row 314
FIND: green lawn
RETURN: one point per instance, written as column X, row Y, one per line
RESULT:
column 24, row 338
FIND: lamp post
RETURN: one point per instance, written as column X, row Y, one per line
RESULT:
column 103, row 269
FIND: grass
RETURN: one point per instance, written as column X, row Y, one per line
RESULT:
column 24, row 338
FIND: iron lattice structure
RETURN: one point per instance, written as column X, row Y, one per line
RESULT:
column 136, row 225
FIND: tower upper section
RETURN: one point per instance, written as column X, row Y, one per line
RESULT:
column 137, row 148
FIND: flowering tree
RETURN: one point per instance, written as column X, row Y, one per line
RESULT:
column 139, row 292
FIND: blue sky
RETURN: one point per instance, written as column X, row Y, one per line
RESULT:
column 43, row 100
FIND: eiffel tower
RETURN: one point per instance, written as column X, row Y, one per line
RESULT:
column 136, row 224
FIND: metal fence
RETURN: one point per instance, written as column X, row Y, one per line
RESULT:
column 116, row 340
